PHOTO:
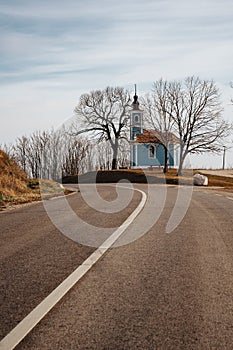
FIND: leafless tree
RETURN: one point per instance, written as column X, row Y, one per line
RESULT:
column 75, row 156
column 104, row 114
column 124, row 154
column 8, row 149
column 103, row 155
column 158, row 114
column 51, row 154
column 21, row 152
column 197, row 115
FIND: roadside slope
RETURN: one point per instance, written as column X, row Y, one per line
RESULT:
column 13, row 181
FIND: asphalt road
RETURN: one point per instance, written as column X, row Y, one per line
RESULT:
column 162, row 291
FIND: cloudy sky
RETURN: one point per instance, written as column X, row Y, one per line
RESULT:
column 53, row 51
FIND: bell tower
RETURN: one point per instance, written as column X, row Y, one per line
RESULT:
column 136, row 114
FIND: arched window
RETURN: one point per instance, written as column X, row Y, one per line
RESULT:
column 136, row 118
column 152, row 151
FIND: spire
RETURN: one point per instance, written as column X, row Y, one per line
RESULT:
column 135, row 99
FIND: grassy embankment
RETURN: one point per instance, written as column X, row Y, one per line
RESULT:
column 17, row 188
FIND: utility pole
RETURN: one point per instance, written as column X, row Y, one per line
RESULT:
column 224, row 157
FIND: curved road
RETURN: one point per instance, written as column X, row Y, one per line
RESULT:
column 162, row 291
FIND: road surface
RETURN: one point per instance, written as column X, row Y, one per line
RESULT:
column 162, row 291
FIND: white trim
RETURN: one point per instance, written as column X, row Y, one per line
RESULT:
column 177, row 154
column 136, row 154
column 174, row 157
column 131, row 154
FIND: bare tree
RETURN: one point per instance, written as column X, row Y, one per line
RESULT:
column 76, row 150
column 158, row 111
column 124, row 154
column 51, row 154
column 103, row 155
column 197, row 114
column 104, row 114
column 21, row 152
column 8, row 149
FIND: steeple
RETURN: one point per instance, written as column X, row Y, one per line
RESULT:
column 135, row 104
column 136, row 115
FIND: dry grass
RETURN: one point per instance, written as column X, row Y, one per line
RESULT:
column 187, row 177
column 12, row 178
column 220, row 181
column 17, row 188
column 13, row 181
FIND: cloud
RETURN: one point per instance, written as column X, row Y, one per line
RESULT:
column 116, row 31
column 51, row 52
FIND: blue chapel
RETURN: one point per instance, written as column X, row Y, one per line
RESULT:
column 146, row 147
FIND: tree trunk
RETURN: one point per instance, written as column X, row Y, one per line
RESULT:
column 179, row 173
column 181, row 162
column 165, row 168
column 115, row 153
column 114, row 164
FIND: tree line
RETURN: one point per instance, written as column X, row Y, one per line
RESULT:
column 99, row 137
column 191, row 109
column 54, row 154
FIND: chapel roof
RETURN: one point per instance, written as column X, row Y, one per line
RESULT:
column 154, row 136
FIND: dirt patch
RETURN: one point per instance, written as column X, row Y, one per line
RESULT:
column 225, row 173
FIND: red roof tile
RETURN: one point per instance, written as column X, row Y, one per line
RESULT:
column 153, row 136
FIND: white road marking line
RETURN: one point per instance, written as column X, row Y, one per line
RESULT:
column 12, row 339
column 231, row 198
column 217, row 194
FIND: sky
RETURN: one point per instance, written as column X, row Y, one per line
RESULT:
column 51, row 52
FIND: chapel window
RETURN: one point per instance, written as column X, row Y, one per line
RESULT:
column 151, row 151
